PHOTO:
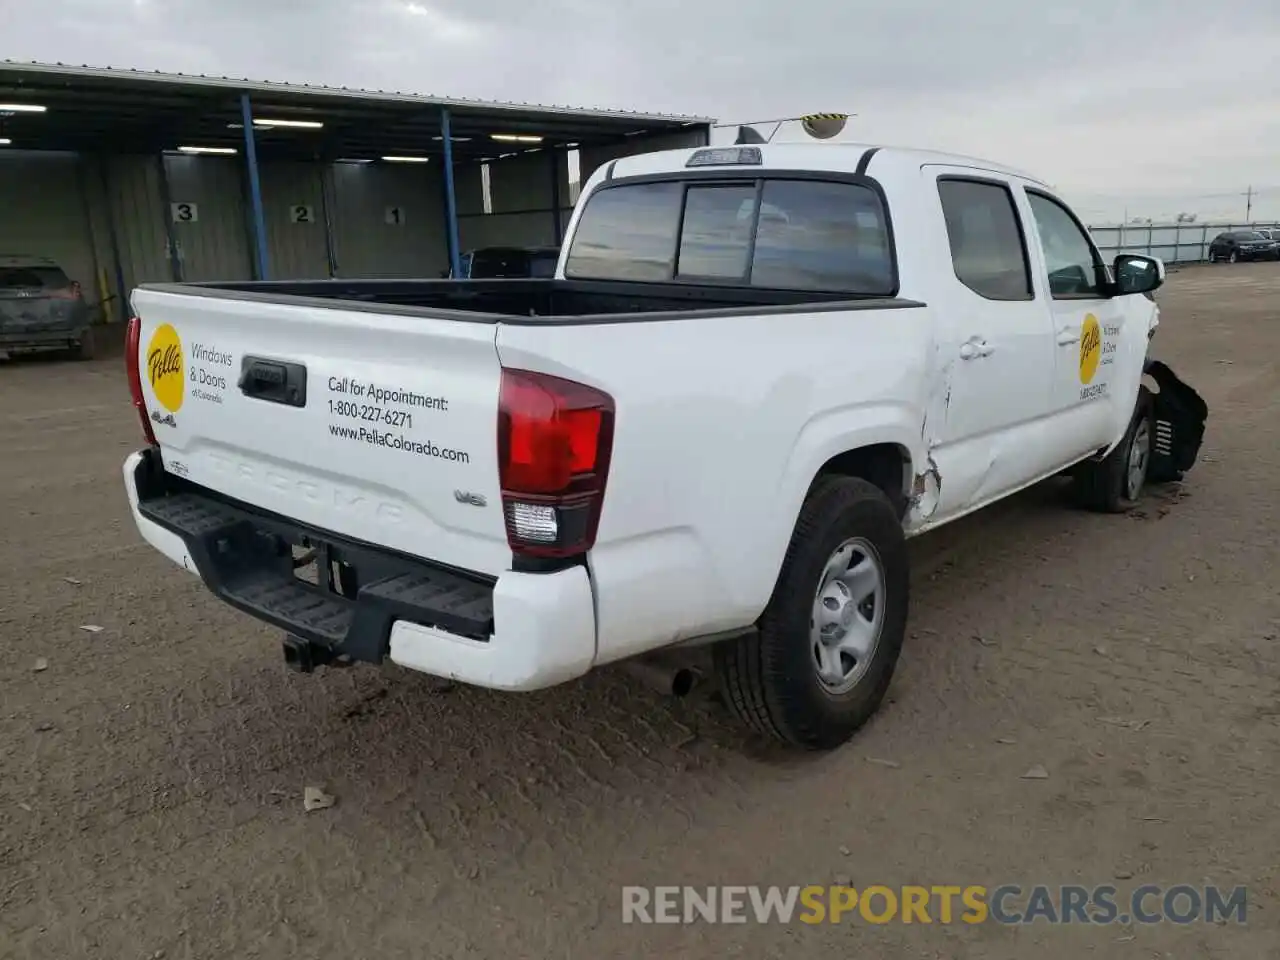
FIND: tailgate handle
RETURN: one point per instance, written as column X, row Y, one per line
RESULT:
column 275, row 381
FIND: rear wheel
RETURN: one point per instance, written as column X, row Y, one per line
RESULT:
column 828, row 642
column 1114, row 484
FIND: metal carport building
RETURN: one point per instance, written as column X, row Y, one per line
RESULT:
column 126, row 176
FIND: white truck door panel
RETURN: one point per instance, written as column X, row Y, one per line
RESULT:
column 995, row 342
column 1088, row 328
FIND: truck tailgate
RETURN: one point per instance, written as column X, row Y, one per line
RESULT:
column 375, row 426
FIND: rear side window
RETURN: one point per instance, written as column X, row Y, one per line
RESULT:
column 812, row 235
column 987, row 247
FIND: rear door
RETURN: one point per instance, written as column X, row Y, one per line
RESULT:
column 995, row 343
column 377, row 425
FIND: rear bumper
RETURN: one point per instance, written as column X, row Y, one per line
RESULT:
column 524, row 631
column 17, row 341
column 41, row 325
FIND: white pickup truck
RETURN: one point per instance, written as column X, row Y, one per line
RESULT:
column 756, row 372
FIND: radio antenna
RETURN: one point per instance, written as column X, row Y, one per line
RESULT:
column 820, row 126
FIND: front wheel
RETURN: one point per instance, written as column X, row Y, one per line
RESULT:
column 1114, row 484
column 828, row 642
column 1233, row 257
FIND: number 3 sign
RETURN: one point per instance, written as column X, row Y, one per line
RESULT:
column 184, row 212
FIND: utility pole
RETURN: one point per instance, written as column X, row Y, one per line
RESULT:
column 1248, row 203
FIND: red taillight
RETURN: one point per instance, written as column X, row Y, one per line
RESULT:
column 132, row 347
column 554, row 441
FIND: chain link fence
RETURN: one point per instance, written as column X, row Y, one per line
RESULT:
column 1171, row 242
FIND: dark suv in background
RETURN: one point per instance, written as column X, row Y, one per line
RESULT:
column 498, row 263
column 1243, row 245
column 41, row 309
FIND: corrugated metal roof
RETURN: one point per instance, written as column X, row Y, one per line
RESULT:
column 242, row 84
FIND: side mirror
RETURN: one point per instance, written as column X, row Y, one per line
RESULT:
column 1137, row 274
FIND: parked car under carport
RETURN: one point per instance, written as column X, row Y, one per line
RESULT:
column 41, row 309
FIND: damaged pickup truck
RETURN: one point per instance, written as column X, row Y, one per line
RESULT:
column 757, row 371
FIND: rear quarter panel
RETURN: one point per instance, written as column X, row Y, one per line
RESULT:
column 722, row 424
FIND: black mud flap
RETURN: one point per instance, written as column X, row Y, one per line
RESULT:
column 1180, row 415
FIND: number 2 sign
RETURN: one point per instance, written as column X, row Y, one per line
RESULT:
column 301, row 213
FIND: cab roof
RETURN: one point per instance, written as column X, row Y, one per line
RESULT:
column 811, row 155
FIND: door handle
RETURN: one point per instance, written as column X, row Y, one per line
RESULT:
column 975, row 347
column 1068, row 335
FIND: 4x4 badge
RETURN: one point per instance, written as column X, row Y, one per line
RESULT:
column 466, row 496
column 167, row 419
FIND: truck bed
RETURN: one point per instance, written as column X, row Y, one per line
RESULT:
column 528, row 301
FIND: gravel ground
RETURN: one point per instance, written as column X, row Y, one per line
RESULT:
column 151, row 777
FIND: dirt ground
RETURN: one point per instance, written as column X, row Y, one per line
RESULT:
column 151, row 777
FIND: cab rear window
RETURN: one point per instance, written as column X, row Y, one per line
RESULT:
column 776, row 233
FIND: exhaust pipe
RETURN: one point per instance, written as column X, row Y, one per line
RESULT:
column 666, row 678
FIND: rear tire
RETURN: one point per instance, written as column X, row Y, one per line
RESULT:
column 829, row 640
column 1114, row 484
column 85, row 347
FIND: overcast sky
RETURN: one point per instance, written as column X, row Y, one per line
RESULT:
column 1154, row 106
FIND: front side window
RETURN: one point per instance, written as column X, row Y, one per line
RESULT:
column 788, row 234
column 1074, row 269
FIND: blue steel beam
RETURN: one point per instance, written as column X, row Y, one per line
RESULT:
column 450, row 198
column 255, row 188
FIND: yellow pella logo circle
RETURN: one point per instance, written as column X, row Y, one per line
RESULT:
column 165, row 367
column 1090, row 348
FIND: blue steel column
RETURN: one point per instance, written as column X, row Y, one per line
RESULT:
column 450, row 199
column 255, row 187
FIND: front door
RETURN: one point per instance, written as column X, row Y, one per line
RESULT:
column 995, row 342
column 1089, row 328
